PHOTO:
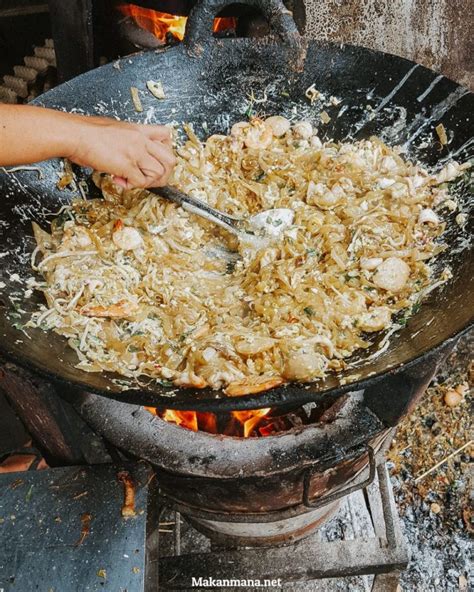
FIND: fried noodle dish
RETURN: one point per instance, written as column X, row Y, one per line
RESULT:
column 140, row 287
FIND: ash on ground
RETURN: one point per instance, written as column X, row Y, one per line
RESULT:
column 435, row 498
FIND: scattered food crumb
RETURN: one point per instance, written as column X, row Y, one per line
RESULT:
column 452, row 398
column 128, row 508
column 461, row 220
column 441, row 131
column 435, row 443
column 156, row 89
column 85, row 528
column 136, row 99
column 450, row 204
column 29, row 493
column 325, row 118
column 67, row 177
column 312, row 94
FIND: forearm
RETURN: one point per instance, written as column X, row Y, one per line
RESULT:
column 31, row 134
column 135, row 155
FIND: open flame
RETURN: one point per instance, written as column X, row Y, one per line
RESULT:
column 250, row 419
column 161, row 23
column 256, row 422
column 239, row 423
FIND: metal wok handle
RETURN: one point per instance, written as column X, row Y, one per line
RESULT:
column 329, row 499
column 199, row 36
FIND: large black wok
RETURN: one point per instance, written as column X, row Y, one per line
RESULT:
column 208, row 82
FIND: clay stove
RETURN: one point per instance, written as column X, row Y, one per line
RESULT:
column 256, row 490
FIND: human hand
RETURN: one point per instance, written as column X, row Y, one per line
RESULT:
column 135, row 155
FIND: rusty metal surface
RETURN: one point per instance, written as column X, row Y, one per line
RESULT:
column 265, row 498
column 435, row 33
column 256, row 534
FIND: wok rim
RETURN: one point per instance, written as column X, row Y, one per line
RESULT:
column 278, row 396
column 224, row 403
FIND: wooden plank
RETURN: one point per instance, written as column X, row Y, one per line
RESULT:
column 298, row 562
column 387, row 529
column 12, row 432
column 44, row 543
column 50, row 420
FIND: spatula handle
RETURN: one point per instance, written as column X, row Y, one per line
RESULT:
column 198, row 207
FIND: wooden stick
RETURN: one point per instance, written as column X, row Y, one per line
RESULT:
column 441, row 462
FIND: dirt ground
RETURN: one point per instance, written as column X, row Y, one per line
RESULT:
column 431, row 468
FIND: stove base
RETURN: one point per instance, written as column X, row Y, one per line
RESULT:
column 374, row 545
column 256, row 534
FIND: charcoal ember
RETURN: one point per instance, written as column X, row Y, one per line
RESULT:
column 295, row 420
column 429, row 421
column 330, row 414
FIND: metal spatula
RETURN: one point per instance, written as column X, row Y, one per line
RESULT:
column 268, row 224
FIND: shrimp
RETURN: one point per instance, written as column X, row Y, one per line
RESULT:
column 253, row 385
column 258, row 137
column 119, row 310
column 254, row 135
column 278, row 124
column 125, row 237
